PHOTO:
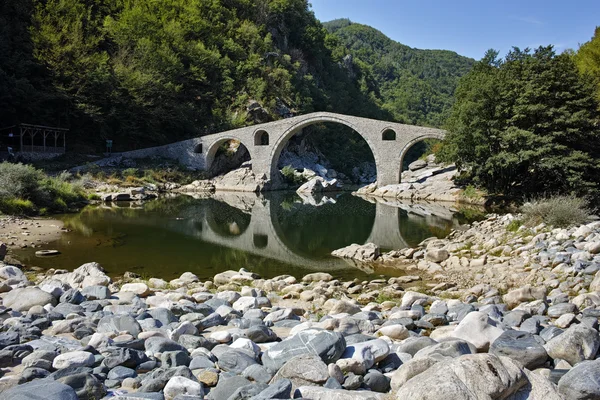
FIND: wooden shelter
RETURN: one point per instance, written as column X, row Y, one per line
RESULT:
column 36, row 138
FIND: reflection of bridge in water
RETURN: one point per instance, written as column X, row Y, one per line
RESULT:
column 264, row 237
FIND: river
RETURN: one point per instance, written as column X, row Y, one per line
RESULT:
column 274, row 234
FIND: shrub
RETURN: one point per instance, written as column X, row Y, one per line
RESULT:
column 24, row 189
column 558, row 211
column 18, row 180
column 290, row 176
column 17, row 207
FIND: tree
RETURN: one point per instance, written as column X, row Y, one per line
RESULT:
column 587, row 59
column 528, row 124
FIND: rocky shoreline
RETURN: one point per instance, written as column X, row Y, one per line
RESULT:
column 528, row 328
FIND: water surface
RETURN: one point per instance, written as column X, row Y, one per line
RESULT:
column 280, row 233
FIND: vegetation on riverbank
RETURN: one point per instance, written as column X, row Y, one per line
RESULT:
column 525, row 125
column 25, row 190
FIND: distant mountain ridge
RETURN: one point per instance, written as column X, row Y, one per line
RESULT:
column 416, row 86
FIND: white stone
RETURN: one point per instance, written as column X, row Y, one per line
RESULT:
column 139, row 288
column 73, row 359
column 178, row 385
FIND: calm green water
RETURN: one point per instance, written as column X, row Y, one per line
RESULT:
column 271, row 235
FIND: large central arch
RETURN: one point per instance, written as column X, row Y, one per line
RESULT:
column 284, row 138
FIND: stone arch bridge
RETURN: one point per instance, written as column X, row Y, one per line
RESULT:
column 388, row 141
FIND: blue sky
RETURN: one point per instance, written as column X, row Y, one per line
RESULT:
column 471, row 27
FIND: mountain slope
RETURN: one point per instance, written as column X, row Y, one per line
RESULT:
column 416, row 86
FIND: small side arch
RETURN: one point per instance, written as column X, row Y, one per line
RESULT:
column 388, row 134
column 198, row 148
column 261, row 138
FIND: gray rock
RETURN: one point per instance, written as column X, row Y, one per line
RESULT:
column 235, row 361
column 120, row 373
column 368, row 353
column 557, row 310
column 581, row 382
column 257, row 373
column 303, row 370
column 119, row 323
column 377, row 382
column 329, row 346
column 25, row 298
column 170, row 359
column 473, row 376
column 261, row 334
column 154, row 345
column 521, row 347
column 320, row 393
column 447, row 349
column 227, row 386
column 416, row 165
column 74, row 359
column 48, row 389
column 96, row 292
column 86, row 385
column 280, row 389
column 576, row 344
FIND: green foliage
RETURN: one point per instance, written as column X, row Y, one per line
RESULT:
column 557, row 211
column 587, row 59
column 290, row 176
column 144, row 73
column 24, row 189
column 514, row 225
column 526, row 124
column 414, row 86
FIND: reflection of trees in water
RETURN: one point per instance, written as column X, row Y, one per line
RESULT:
column 414, row 229
column 316, row 231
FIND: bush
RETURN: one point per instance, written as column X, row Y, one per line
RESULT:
column 290, row 176
column 557, row 211
column 25, row 190
column 17, row 207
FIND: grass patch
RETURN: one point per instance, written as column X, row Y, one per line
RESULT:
column 557, row 211
column 471, row 193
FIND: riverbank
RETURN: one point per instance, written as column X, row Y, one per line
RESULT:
column 18, row 233
column 527, row 332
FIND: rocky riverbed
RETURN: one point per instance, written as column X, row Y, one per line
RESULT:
column 530, row 332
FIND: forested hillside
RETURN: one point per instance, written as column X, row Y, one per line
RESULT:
column 416, row 86
column 145, row 73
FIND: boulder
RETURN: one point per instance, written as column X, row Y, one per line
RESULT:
column 524, row 294
column 329, row 346
column 581, row 382
column 141, row 289
column 576, row 344
column 321, row 393
column 303, row 370
column 522, row 347
column 180, row 386
column 25, row 298
column 89, row 274
column 416, row 165
column 40, row 388
column 477, row 328
column 74, row 359
column 474, row 376
column 363, row 253
column 437, row 255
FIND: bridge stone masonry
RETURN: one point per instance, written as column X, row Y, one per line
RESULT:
column 388, row 141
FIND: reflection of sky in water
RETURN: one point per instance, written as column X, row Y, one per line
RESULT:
column 273, row 235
